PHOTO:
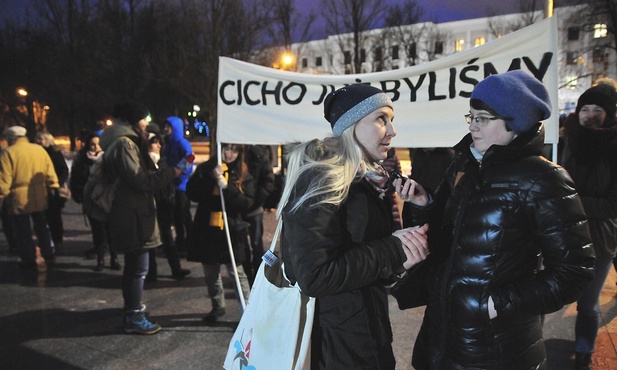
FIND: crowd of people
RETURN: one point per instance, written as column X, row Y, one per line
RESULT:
column 489, row 235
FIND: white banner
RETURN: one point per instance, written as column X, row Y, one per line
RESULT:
column 260, row 105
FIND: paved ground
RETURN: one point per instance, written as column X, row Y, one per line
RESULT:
column 69, row 317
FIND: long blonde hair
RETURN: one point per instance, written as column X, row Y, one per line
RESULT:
column 334, row 163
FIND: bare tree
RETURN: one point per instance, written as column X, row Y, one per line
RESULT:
column 402, row 22
column 530, row 10
column 349, row 19
column 286, row 25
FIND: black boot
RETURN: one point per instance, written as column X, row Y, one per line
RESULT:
column 113, row 261
column 582, row 361
column 100, row 263
column 177, row 272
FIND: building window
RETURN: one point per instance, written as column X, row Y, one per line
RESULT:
column 573, row 33
column 412, row 50
column 571, row 82
column 572, row 57
column 378, row 55
column 599, row 55
column 395, row 52
column 599, row 31
column 318, row 62
column 362, row 55
column 439, row 47
column 304, row 62
column 459, row 45
column 480, row 40
column 347, row 57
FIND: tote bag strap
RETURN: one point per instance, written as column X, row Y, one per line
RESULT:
column 269, row 257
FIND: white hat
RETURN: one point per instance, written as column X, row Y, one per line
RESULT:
column 15, row 131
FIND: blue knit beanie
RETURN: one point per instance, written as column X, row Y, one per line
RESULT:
column 517, row 97
column 348, row 105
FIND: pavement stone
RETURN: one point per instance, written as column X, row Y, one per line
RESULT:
column 70, row 317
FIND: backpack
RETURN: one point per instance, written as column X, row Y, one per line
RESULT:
column 99, row 192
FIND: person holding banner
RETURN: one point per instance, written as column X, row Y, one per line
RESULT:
column 500, row 213
column 337, row 240
column 590, row 156
column 207, row 242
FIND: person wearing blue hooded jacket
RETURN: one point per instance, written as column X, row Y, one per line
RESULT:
column 177, row 148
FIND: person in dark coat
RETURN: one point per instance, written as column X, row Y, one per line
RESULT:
column 501, row 213
column 590, row 157
column 260, row 168
column 132, row 222
column 337, row 239
column 56, row 199
column 80, row 172
column 165, row 200
column 208, row 240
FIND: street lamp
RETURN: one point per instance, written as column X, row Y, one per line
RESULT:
column 286, row 61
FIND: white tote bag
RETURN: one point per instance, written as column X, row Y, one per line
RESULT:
column 275, row 329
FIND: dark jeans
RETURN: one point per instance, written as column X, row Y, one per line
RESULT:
column 256, row 232
column 54, row 219
column 169, row 246
column 182, row 217
column 100, row 238
column 22, row 232
column 135, row 270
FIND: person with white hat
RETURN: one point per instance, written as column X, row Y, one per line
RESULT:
column 27, row 176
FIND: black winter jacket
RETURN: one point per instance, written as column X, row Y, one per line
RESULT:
column 344, row 256
column 494, row 222
column 208, row 244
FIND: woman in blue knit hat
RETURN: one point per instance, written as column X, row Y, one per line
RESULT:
column 337, row 242
column 501, row 212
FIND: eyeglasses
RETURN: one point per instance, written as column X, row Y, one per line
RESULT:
column 480, row 120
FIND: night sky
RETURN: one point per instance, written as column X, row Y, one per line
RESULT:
column 435, row 10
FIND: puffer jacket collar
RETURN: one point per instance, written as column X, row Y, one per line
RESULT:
column 527, row 144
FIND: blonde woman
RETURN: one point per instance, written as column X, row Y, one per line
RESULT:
column 337, row 231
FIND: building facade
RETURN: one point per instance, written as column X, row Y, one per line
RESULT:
column 584, row 51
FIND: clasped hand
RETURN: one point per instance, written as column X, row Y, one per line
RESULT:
column 415, row 244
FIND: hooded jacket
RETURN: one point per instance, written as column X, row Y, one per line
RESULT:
column 132, row 219
column 491, row 223
column 177, row 148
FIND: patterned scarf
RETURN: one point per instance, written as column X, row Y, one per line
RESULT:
column 378, row 177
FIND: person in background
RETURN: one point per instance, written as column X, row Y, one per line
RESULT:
column 500, row 210
column 132, row 222
column 80, row 172
column 164, row 198
column 590, row 157
column 260, row 167
column 176, row 148
column 208, row 241
column 27, row 176
column 429, row 165
column 57, row 199
column 337, row 239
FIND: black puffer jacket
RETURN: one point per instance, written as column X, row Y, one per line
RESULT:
column 498, row 218
column 344, row 256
